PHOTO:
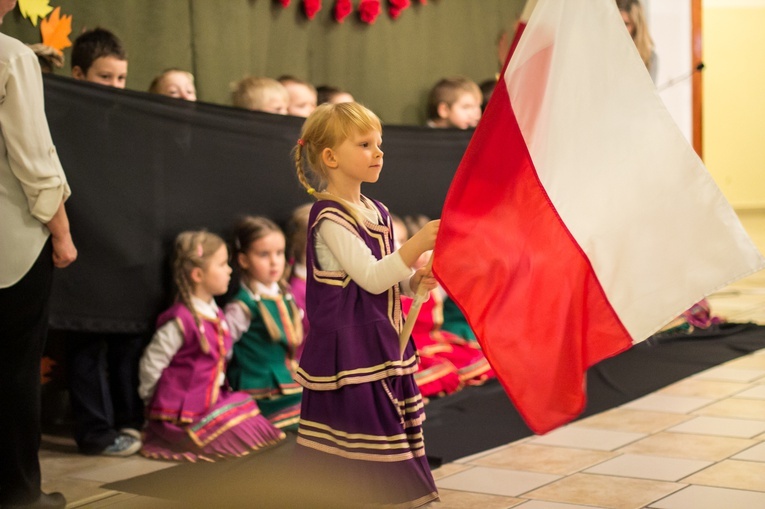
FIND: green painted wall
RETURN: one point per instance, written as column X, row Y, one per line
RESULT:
column 389, row 66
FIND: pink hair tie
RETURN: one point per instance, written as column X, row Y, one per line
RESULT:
column 301, row 142
column 200, row 250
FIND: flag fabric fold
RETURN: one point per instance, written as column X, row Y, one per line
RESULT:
column 579, row 221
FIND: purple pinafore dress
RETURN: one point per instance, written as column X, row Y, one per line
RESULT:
column 361, row 415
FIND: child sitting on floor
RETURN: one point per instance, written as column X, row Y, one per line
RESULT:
column 265, row 323
column 192, row 415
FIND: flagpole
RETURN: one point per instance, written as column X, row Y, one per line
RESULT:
column 414, row 311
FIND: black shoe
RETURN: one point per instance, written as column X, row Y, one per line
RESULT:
column 53, row 500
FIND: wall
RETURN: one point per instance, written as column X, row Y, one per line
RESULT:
column 389, row 66
column 734, row 98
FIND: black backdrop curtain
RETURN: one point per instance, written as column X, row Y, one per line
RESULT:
column 143, row 168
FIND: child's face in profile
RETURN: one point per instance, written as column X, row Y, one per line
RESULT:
column 302, row 99
column 264, row 260
column 108, row 70
column 178, row 85
column 465, row 112
column 216, row 275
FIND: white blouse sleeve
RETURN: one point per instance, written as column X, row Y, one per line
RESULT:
column 164, row 345
column 339, row 249
column 238, row 319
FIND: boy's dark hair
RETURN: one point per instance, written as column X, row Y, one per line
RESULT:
column 95, row 44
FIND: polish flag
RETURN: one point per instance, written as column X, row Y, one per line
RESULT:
column 580, row 221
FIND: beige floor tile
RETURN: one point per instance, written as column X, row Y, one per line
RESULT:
column 452, row 499
column 736, row 408
column 742, row 475
column 495, row 481
column 721, row 426
column 55, row 465
column 713, row 389
column 683, row 445
column 747, row 362
column 130, row 467
column 543, row 504
column 448, row 469
column 704, row 497
column 649, row 467
column 587, row 438
column 756, row 392
column 666, row 403
column 640, row 421
column 539, row 458
column 604, row 491
column 130, row 501
column 731, row 374
column 76, row 491
column 756, row 453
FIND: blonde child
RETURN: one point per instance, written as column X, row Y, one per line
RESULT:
column 634, row 19
column 360, row 424
column 261, row 94
column 175, row 83
column 192, row 415
column 454, row 102
column 302, row 96
column 265, row 323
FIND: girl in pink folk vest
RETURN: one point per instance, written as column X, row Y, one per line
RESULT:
column 191, row 414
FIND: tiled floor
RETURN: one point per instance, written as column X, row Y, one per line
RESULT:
column 696, row 444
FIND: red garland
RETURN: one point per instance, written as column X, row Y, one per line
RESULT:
column 342, row 9
column 311, row 7
column 396, row 6
column 285, row 3
column 369, row 10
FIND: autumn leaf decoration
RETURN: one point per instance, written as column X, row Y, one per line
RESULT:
column 34, row 9
column 56, row 29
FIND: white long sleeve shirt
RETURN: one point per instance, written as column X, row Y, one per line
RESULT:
column 32, row 182
column 338, row 249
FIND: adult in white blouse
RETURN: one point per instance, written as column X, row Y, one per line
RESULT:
column 34, row 237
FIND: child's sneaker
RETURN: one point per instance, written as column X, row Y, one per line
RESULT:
column 132, row 432
column 124, row 445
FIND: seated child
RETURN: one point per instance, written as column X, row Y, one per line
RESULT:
column 99, row 57
column 302, row 96
column 435, row 376
column 454, row 102
column 175, row 83
column 265, row 323
column 332, row 95
column 261, row 94
column 297, row 233
column 192, row 414
column 432, row 341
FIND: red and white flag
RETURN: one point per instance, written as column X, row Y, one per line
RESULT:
column 580, row 221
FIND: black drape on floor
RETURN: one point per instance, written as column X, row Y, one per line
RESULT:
column 144, row 167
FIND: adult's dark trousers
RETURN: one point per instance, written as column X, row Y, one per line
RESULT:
column 102, row 376
column 24, row 311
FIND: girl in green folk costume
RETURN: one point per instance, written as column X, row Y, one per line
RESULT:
column 265, row 324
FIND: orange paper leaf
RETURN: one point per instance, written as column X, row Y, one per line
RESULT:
column 34, row 9
column 55, row 30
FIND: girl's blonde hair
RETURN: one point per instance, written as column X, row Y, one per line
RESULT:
column 193, row 250
column 249, row 230
column 327, row 127
column 254, row 92
column 156, row 83
column 641, row 37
